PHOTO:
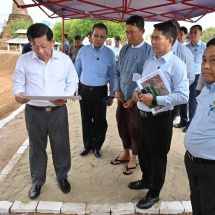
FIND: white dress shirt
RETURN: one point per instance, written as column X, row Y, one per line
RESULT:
column 36, row 78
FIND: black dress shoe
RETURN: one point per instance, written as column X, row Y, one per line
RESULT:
column 34, row 191
column 147, row 202
column 137, row 185
column 84, row 152
column 184, row 130
column 65, row 186
column 180, row 125
column 97, row 152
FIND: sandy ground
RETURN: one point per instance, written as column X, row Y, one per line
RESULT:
column 93, row 180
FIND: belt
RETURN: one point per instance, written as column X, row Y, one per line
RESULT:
column 199, row 160
column 149, row 114
column 92, row 87
column 45, row 109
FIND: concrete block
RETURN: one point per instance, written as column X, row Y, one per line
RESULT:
column 174, row 207
column 155, row 209
column 21, row 150
column 49, row 207
column 11, row 164
column 98, row 209
column 5, row 206
column 122, row 208
column 74, row 208
column 26, row 142
column 20, row 207
column 187, row 206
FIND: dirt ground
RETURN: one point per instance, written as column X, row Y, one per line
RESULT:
column 17, row 134
column 93, row 180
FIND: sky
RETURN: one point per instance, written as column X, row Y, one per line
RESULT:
column 38, row 16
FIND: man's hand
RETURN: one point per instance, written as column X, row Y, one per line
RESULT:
column 21, row 100
column 135, row 96
column 118, row 95
column 128, row 104
column 146, row 99
column 59, row 102
column 109, row 101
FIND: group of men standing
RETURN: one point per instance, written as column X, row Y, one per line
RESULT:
column 95, row 68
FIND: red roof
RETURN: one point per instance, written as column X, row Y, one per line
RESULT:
column 120, row 10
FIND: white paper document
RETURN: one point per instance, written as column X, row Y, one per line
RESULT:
column 157, row 86
column 50, row 98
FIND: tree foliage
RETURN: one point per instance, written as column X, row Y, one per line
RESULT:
column 21, row 24
column 208, row 34
column 83, row 26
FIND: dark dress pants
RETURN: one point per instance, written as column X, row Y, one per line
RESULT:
column 127, row 126
column 93, row 115
column 41, row 125
column 202, row 186
column 154, row 139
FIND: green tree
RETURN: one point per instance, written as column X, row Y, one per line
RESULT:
column 208, row 34
column 83, row 26
column 21, row 24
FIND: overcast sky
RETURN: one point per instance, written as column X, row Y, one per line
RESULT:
column 38, row 16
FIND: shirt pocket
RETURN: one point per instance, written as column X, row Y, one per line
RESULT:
column 102, row 69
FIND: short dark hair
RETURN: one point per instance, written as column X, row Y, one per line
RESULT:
column 100, row 26
column 65, row 35
column 89, row 33
column 176, row 24
column 136, row 21
column 39, row 30
column 168, row 30
column 77, row 37
column 211, row 42
column 184, row 29
column 197, row 26
column 117, row 38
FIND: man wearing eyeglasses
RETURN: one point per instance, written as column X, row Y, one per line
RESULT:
column 45, row 72
column 130, row 65
column 95, row 67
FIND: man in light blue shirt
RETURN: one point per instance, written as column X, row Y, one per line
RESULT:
column 197, row 48
column 95, row 67
column 186, row 56
column 66, row 44
column 200, row 141
column 155, row 131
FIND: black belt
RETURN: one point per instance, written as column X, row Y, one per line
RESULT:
column 45, row 109
column 199, row 160
column 92, row 87
column 149, row 114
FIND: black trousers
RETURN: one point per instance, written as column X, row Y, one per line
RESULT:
column 154, row 139
column 40, row 126
column 202, row 186
column 93, row 115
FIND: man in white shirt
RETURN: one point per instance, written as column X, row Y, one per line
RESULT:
column 45, row 72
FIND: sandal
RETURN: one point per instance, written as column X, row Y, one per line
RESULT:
column 117, row 161
column 126, row 169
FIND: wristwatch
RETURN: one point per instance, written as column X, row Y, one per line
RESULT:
column 154, row 100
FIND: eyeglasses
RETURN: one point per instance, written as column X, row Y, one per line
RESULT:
column 37, row 48
column 101, row 36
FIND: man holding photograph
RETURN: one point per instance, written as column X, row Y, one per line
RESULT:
column 155, row 131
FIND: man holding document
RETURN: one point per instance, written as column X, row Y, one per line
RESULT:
column 155, row 130
column 45, row 72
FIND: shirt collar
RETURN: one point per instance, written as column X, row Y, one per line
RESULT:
column 209, row 86
column 174, row 47
column 99, row 49
column 165, row 57
column 138, row 46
